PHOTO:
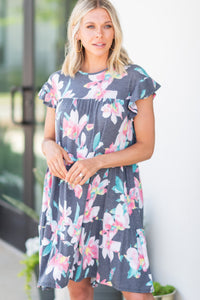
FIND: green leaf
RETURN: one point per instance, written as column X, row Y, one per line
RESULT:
column 22, row 207
column 162, row 290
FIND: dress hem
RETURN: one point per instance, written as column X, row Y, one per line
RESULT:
column 139, row 291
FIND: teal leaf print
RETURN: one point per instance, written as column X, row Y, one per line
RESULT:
column 134, row 167
column 55, row 204
column 141, row 71
column 143, row 93
column 96, row 141
column 120, row 257
column 118, row 188
column 111, row 273
column 77, row 213
column 106, row 173
column 86, row 273
column 67, row 87
column 78, row 272
column 47, row 249
column 131, row 273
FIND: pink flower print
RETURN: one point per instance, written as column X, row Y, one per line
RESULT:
column 74, row 230
column 90, row 252
column 121, row 218
column 65, row 220
column 108, row 225
column 59, row 264
column 54, row 94
column 98, row 87
column 82, row 153
column 129, row 199
column 142, row 250
column 125, row 133
column 112, row 148
column 78, row 190
column 108, row 283
column 133, row 259
column 89, row 127
column 109, row 246
column 138, row 192
column 57, row 230
column 114, row 110
column 72, row 126
column 47, row 191
column 97, row 280
column 109, row 230
column 90, row 212
column 97, row 187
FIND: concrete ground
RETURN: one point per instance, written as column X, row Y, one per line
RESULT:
column 12, row 286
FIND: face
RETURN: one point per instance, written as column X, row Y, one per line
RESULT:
column 96, row 33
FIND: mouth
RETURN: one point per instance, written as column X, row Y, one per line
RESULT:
column 99, row 45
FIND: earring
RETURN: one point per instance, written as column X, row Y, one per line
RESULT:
column 78, row 51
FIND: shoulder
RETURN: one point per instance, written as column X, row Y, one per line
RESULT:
column 136, row 71
column 57, row 76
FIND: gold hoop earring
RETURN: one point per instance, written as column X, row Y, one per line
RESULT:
column 78, row 51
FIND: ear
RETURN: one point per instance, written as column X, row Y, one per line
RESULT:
column 77, row 36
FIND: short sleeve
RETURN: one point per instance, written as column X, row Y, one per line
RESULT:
column 49, row 92
column 143, row 87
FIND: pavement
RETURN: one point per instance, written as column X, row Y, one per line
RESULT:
column 12, row 286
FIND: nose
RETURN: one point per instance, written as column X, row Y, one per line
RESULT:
column 99, row 33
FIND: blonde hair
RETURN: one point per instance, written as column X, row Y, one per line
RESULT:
column 74, row 59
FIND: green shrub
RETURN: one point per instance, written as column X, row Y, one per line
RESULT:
column 162, row 290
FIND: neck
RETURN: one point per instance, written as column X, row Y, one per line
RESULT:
column 94, row 64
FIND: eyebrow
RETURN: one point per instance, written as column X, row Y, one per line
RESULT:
column 91, row 22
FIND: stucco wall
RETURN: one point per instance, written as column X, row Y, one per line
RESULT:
column 163, row 37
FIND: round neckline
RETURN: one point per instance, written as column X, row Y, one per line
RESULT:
column 95, row 73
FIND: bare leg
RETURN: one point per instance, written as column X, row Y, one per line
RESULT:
column 80, row 290
column 137, row 296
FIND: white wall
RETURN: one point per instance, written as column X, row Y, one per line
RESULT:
column 164, row 37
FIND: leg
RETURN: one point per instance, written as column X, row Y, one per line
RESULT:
column 80, row 290
column 137, row 296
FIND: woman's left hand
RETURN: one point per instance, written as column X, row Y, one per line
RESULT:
column 82, row 170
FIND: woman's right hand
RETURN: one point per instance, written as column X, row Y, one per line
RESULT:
column 56, row 158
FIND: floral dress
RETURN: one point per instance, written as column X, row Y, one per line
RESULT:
column 95, row 230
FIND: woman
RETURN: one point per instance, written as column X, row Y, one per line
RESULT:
column 99, row 125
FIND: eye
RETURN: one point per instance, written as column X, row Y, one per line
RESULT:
column 90, row 26
column 108, row 26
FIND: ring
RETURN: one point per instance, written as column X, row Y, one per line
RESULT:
column 80, row 175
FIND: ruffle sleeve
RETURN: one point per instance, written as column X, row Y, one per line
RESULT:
column 49, row 92
column 143, row 87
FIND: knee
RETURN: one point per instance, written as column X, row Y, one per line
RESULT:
column 80, row 292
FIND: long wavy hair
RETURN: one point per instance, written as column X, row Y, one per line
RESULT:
column 117, row 58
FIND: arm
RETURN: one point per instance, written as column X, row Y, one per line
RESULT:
column 53, row 152
column 140, row 151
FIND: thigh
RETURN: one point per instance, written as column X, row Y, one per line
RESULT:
column 137, row 296
column 80, row 290
column 85, row 283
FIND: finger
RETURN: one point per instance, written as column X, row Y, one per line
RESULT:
column 54, row 168
column 84, row 179
column 66, row 157
column 75, row 175
column 60, row 166
column 79, row 178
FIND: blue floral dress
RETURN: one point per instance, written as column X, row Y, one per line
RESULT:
column 95, row 230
